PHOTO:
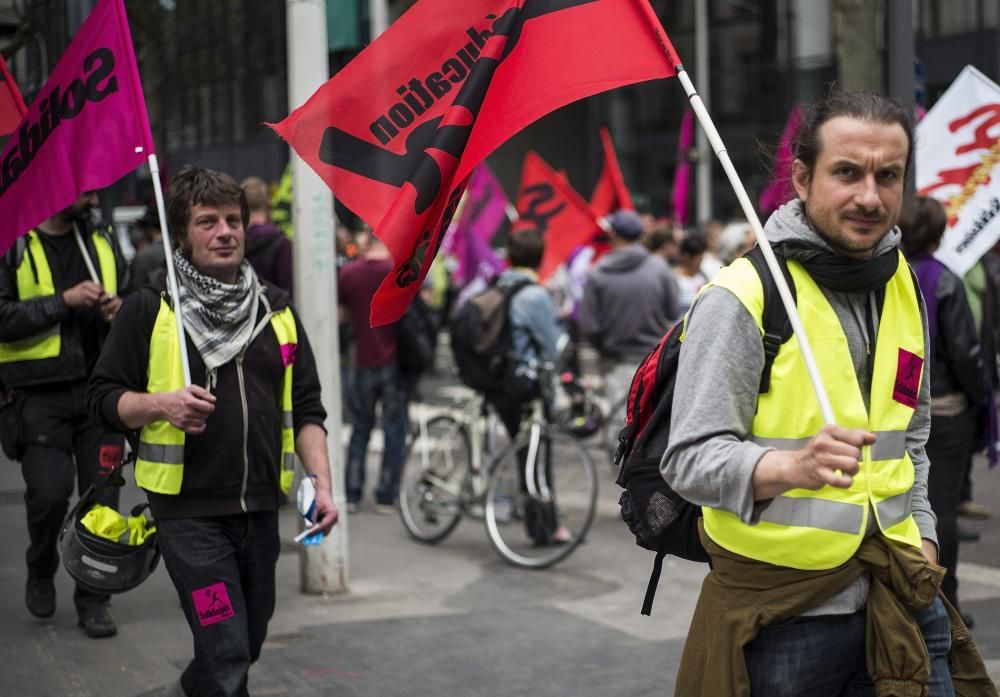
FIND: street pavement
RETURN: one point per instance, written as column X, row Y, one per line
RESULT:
column 452, row 619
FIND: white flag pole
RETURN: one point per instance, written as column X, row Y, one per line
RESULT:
column 86, row 257
column 154, row 170
column 772, row 263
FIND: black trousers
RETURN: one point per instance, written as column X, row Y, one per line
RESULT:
column 949, row 448
column 63, row 448
column 540, row 518
column 223, row 569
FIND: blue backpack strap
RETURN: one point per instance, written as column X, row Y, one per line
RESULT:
column 777, row 327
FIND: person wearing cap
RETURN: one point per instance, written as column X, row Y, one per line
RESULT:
column 54, row 317
column 151, row 258
column 630, row 299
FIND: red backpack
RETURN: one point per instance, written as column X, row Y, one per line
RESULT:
column 662, row 520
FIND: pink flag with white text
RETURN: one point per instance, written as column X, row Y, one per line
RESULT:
column 87, row 128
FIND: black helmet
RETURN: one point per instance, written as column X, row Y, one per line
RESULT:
column 100, row 564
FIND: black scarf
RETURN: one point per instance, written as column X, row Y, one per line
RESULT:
column 843, row 274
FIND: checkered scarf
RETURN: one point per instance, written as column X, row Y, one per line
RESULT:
column 218, row 317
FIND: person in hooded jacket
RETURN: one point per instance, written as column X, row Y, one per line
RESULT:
column 216, row 457
column 824, row 578
column 269, row 251
column 958, row 387
column 630, row 299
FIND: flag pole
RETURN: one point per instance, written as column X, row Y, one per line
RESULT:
column 86, row 257
column 748, row 210
column 154, row 170
column 772, row 263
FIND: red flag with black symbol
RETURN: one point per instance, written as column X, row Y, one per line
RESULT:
column 396, row 133
column 12, row 107
column 547, row 203
column 610, row 193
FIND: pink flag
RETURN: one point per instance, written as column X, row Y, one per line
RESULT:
column 779, row 190
column 682, row 175
column 87, row 128
column 484, row 212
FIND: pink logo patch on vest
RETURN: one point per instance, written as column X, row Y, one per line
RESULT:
column 288, row 352
column 907, row 378
column 212, row 604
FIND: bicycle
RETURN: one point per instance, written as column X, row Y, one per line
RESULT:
column 599, row 407
column 454, row 469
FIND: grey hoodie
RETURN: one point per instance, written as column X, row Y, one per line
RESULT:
column 629, row 302
column 710, row 461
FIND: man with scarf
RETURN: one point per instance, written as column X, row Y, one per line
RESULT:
column 216, row 457
column 824, row 578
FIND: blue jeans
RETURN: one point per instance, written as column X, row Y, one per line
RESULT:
column 824, row 656
column 371, row 386
column 223, row 570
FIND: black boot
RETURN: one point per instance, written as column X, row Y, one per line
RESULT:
column 40, row 596
column 96, row 620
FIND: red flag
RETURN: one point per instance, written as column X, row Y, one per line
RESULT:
column 546, row 202
column 12, row 108
column 87, row 129
column 396, row 133
column 610, row 193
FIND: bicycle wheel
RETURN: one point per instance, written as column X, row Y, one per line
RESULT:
column 432, row 482
column 565, row 495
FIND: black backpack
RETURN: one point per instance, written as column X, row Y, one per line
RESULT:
column 481, row 339
column 661, row 520
column 416, row 332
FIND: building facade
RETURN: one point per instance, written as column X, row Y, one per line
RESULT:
column 214, row 73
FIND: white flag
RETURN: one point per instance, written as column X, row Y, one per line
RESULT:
column 958, row 147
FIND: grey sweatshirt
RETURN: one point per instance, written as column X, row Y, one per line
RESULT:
column 629, row 302
column 710, row 460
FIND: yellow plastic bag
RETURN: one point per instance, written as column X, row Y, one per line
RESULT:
column 111, row 525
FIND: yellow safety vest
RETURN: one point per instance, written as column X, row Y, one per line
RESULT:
column 806, row 529
column 34, row 280
column 159, row 465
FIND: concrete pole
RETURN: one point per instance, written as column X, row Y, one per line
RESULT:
column 900, row 58
column 703, row 205
column 859, row 58
column 378, row 17
column 323, row 568
column 812, row 36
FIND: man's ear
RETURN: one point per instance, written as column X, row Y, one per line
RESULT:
column 801, row 178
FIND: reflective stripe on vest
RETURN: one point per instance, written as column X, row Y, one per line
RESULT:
column 890, row 445
column 822, row 529
column 283, row 324
column 159, row 463
column 106, row 263
column 34, row 280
